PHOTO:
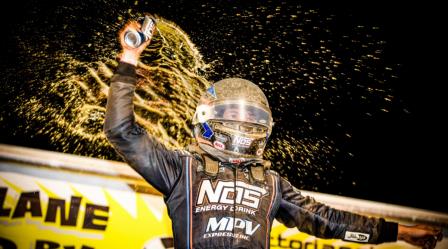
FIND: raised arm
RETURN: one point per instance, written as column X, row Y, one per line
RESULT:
column 158, row 165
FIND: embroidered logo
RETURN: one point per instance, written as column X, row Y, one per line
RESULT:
column 358, row 237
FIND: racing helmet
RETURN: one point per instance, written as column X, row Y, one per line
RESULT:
column 233, row 121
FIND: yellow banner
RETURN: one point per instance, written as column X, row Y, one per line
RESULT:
column 44, row 213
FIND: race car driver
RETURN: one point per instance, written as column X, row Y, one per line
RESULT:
column 221, row 193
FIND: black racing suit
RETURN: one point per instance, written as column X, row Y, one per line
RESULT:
column 230, row 210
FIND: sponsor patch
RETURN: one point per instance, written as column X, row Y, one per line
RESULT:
column 237, row 160
column 208, row 133
column 357, row 237
column 218, row 145
column 220, row 193
column 242, row 141
column 231, row 224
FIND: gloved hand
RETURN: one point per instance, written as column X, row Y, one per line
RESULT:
column 130, row 54
column 422, row 236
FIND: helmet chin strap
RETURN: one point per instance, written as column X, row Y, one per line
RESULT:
column 226, row 158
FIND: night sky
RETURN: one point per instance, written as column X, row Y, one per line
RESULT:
column 363, row 81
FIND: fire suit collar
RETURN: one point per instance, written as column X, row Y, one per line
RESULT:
column 211, row 164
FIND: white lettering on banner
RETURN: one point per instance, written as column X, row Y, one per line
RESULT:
column 243, row 193
column 228, row 223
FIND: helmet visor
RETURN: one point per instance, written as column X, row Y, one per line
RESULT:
column 240, row 111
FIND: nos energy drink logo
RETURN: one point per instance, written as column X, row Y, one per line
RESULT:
column 244, row 194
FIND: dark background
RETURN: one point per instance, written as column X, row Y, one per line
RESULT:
column 399, row 157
